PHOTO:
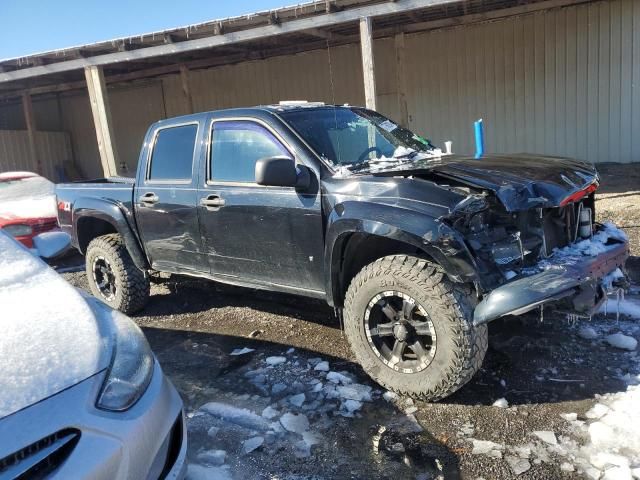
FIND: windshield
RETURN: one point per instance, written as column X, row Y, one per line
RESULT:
column 351, row 136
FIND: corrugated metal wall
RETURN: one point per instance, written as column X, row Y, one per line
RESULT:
column 53, row 149
column 564, row 81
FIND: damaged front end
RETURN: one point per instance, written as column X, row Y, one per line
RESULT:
column 531, row 257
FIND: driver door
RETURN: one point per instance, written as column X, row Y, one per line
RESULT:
column 254, row 233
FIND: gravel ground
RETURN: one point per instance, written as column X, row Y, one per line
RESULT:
column 543, row 370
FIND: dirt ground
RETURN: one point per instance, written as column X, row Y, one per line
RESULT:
column 543, row 370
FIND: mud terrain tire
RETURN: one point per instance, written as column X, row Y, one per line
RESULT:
column 108, row 253
column 459, row 346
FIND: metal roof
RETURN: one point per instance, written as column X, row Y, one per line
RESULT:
column 287, row 30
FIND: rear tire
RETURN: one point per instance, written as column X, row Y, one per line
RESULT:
column 113, row 277
column 438, row 318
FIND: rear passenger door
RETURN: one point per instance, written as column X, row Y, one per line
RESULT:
column 262, row 234
column 166, row 196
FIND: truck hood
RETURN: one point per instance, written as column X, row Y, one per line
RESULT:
column 52, row 336
column 520, row 181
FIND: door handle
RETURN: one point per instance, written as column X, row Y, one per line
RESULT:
column 212, row 202
column 149, row 199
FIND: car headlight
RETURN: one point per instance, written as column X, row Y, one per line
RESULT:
column 18, row 230
column 131, row 366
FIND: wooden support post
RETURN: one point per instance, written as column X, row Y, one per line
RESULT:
column 368, row 67
column 102, row 119
column 401, row 80
column 27, row 108
column 186, row 88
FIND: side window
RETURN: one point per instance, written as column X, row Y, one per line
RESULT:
column 236, row 146
column 172, row 156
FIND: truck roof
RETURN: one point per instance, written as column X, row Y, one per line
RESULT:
column 258, row 110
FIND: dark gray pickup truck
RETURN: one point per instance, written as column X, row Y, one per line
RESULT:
column 417, row 248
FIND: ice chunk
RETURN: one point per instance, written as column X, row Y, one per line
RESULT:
column 275, row 360
column 486, row 447
column 277, row 388
column 569, row 417
column 390, row 396
column 251, row 444
column 351, row 405
column 199, row 472
column 295, row 423
column 566, row 467
column 518, row 465
column 297, row 400
column 587, row 333
column 322, row 366
column 501, row 403
column 290, row 351
column 412, row 409
column 624, row 342
column 213, row 431
column 546, row 436
column 214, row 458
column 356, row 391
column 241, row 351
column 269, row 413
column 238, row 416
column 317, row 387
column 337, row 377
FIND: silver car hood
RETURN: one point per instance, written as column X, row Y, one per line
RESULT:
column 52, row 336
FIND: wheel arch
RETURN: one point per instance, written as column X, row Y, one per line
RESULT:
column 354, row 240
column 94, row 217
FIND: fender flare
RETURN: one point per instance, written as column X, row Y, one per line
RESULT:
column 425, row 233
column 86, row 207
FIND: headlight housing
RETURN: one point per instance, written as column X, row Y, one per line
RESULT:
column 131, row 366
column 18, row 230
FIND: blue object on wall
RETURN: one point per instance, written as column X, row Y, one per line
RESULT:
column 479, row 138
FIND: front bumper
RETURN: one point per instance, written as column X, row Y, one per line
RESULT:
column 558, row 282
column 147, row 441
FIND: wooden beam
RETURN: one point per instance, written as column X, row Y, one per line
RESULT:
column 102, row 119
column 368, row 64
column 186, row 88
column 29, row 119
column 401, row 79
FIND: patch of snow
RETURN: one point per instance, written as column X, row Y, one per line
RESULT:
column 355, row 391
column 546, row 436
column 278, row 388
column 51, row 335
column 241, row 351
column 28, row 198
column 621, row 341
column 275, row 360
column 501, row 403
column 322, row 366
column 51, row 244
column 251, row 444
column 628, row 306
column 569, row 417
column 238, row 416
column 597, row 411
column 518, row 465
column 352, row 405
column 587, row 333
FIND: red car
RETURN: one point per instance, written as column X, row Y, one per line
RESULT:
column 27, row 206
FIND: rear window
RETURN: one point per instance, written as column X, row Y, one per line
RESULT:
column 172, row 156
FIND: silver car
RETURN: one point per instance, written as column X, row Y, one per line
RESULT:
column 81, row 394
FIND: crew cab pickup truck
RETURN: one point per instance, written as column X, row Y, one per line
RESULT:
column 417, row 249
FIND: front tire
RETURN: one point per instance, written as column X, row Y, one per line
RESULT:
column 112, row 275
column 410, row 327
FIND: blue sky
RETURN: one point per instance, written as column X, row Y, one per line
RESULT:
column 30, row 26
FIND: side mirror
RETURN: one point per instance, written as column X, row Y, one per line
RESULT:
column 282, row 172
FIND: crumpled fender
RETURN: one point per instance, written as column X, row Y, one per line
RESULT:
column 110, row 212
column 436, row 239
